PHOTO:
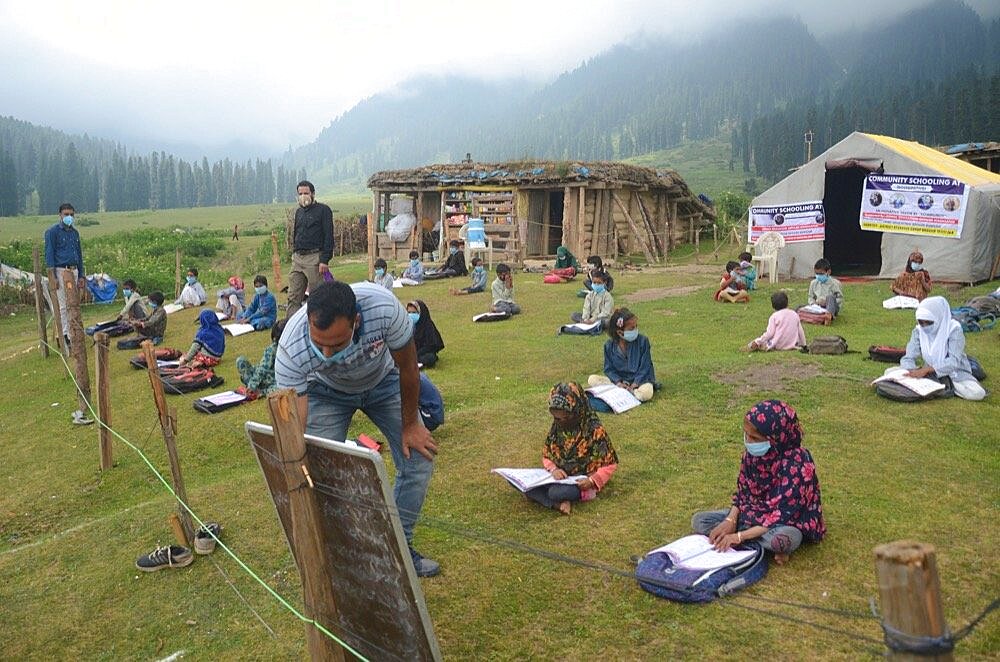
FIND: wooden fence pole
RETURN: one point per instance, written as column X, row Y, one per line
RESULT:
column 306, row 525
column 77, row 340
column 56, row 312
column 178, row 529
column 275, row 262
column 103, row 375
column 370, row 230
column 43, row 339
column 910, row 593
column 177, row 272
column 168, row 424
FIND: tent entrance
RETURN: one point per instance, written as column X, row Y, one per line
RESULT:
column 850, row 250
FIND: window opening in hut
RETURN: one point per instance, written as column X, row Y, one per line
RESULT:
column 850, row 250
column 554, row 233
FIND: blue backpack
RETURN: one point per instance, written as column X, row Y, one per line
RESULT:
column 658, row 575
column 430, row 403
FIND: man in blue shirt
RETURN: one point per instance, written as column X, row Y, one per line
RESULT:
column 351, row 347
column 62, row 253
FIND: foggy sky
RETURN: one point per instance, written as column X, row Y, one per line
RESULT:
column 253, row 77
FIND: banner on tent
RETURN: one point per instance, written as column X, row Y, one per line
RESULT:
column 914, row 204
column 803, row 221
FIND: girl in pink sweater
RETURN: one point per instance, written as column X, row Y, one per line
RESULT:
column 784, row 330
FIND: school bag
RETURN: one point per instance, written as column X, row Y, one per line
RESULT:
column 973, row 319
column 162, row 354
column 900, row 393
column 573, row 330
column 136, row 342
column 826, row 345
column 430, row 403
column 185, row 380
column 823, row 319
column 206, row 405
column 658, row 575
column 886, row 353
column 112, row 328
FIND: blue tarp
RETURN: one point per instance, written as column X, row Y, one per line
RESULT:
column 103, row 287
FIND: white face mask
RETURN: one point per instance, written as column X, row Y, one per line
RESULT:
column 305, row 199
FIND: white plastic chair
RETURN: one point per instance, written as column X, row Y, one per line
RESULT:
column 463, row 234
column 765, row 252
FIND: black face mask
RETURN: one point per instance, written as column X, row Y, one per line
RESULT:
column 571, row 423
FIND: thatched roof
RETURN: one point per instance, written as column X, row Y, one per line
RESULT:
column 538, row 174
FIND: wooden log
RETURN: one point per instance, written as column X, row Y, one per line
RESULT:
column 635, row 230
column 648, row 226
column 56, row 312
column 372, row 244
column 168, row 426
column 178, row 529
column 43, row 339
column 77, row 340
column 598, row 227
column 581, row 215
column 306, row 526
column 275, row 263
column 102, row 373
column 177, row 272
column 910, row 593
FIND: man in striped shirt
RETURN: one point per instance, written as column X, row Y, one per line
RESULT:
column 352, row 348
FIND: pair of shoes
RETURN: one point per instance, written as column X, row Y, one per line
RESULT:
column 80, row 419
column 170, row 556
column 425, row 567
column 205, row 537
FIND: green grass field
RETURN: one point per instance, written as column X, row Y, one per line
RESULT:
column 888, row 471
column 704, row 165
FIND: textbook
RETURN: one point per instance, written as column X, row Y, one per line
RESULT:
column 695, row 552
column 172, row 307
column 618, row 398
column 529, row 479
column 813, row 308
column 917, row 385
column 490, row 317
column 898, row 302
column 238, row 329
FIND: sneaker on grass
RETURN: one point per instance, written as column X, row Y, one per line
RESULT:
column 205, row 538
column 169, row 556
column 425, row 567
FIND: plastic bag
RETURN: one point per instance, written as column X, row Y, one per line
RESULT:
column 399, row 227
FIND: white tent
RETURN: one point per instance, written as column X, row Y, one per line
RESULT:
column 837, row 178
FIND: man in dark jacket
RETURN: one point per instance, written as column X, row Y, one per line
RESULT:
column 312, row 245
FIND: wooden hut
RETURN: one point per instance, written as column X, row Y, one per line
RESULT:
column 531, row 208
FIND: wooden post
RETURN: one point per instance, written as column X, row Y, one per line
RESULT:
column 910, row 592
column 43, row 339
column 56, row 312
column 77, row 340
column 369, row 227
column 177, row 272
column 103, row 375
column 306, row 525
column 178, row 529
column 581, row 215
column 275, row 262
column 635, row 230
column 168, row 425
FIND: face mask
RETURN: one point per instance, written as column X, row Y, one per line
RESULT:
column 568, row 423
column 305, row 199
column 261, row 289
column 916, row 266
column 380, row 272
column 154, row 306
column 479, row 270
column 452, row 250
column 630, row 335
column 68, row 220
column 598, row 288
column 335, row 358
column 126, row 293
column 191, row 280
column 756, row 448
column 414, row 317
column 822, row 278
column 929, row 328
column 414, row 263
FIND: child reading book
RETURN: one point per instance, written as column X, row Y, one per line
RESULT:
column 599, row 304
column 784, row 328
column 478, row 278
column 209, row 343
column 454, row 264
column 414, row 273
column 154, row 326
column 135, row 307
column 381, row 276
column 263, row 310
column 628, row 358
column 577, row 445
column 425, row 333
column 824, row 289
column 232, row 299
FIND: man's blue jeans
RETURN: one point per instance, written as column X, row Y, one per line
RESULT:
column 330, row 414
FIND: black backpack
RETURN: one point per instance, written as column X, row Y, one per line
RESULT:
column 900, row 393
column 886, row 353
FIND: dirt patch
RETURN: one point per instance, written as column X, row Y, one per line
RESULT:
column 768, row 378
column 654, row 293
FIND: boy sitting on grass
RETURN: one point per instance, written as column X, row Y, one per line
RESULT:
column 599, row 304
column 478, row 279
column 824, row 290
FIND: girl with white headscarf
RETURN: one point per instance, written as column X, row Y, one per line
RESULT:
column 939, row 341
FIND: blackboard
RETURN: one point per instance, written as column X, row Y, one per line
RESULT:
column 380, row 605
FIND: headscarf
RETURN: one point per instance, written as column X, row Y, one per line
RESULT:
column 916, row 284
column 211, row 334
column 425, row 332
column 236, row 282
column 583, row 450
column 565, row 259
column 934, row 341
column 781, row 486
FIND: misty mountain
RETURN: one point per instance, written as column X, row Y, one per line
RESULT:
column 651, row 94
